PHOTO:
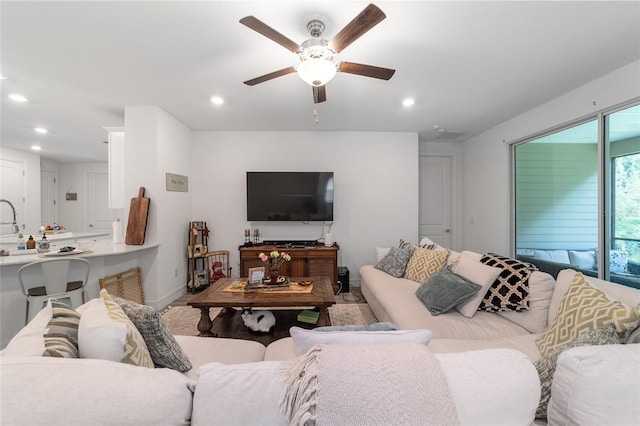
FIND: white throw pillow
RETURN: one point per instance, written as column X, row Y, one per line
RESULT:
column 99, row 336
column 30, row 339
column 306, row 339
column 469, row 267
column 583, row 259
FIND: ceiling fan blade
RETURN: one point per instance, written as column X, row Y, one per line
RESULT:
column 366, row 70
column 367, row 19
column 270, row 76
column 319, row 94
column 262, row 28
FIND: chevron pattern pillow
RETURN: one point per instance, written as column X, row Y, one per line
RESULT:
column 585, row 308
column 425, row 263
column 135, row 350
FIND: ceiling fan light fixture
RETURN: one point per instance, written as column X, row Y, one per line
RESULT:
column 316, row 71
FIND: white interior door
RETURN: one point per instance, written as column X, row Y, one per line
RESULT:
column 48, row 194
column 12, row 190
column 99, row 217
column 436, row 189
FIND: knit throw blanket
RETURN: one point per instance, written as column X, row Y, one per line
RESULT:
column 382, row 384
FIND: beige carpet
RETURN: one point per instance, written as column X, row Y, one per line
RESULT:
column 183, row 320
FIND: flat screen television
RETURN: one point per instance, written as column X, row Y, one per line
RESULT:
column 290, row 196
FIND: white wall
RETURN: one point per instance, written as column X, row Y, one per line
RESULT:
column 486, row 187
column 375, row 178
column 156, row 143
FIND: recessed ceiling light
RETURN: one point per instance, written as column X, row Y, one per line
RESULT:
column 36, row 147
column 217, row 100
column 408, row 102
column 41, row 130
column 17, row 97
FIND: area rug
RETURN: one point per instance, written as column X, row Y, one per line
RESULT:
column 182, row 320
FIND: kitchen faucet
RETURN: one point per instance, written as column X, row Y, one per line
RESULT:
column 14, row 225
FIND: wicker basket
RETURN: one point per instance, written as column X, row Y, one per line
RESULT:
column 126, row 285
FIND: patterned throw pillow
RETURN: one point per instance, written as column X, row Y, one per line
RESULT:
column 546, row 365
column 135, row 351
column 585, row 308
column 510, row 291
column 164, row 349
column 425, row 263
column 61, row 339
column 444, row 290
column 395, row 262
column 405, row 245
column 632, row 336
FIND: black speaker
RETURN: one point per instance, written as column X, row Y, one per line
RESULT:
column 343, row 279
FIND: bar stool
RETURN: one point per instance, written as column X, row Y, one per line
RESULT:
column 57, row 278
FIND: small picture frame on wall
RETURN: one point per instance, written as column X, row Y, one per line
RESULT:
column 256, row 274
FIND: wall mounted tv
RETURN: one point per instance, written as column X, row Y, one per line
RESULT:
column 290, row 196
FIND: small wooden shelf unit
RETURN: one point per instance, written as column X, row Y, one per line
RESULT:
column 305, row 262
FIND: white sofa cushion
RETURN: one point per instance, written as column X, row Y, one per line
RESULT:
column 306, row 339
column 203, row 350
column 541, row 287
column 43, row 391
column 238, row 394
column 248, row 393
column 596, row 385
column 525, row 343
column 484, row 394
column 30, row 339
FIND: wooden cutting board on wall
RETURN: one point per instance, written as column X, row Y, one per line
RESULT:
column 137, row 224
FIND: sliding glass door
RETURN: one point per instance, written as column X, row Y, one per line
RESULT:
column 577, row 198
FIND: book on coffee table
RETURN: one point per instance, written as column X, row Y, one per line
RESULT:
column 267, row 286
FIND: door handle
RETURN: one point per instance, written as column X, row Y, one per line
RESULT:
column 446, row 231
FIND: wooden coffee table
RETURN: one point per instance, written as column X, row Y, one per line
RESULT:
column 320, row 297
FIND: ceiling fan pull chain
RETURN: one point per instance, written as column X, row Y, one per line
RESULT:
column 315, row 116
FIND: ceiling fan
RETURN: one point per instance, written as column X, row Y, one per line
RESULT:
column 317, row 55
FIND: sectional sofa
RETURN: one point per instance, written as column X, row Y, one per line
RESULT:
column 229, row 381
column 592, row 384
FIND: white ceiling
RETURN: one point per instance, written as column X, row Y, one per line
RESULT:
column 469, row 65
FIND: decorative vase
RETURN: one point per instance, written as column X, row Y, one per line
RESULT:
column 273, row 275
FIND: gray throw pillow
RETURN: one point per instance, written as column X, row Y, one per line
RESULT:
column 163, row 347
column 444, row 290
column 378, row 326
column 395, row 262
column 546, row 365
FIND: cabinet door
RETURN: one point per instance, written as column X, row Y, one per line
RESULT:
column 321, row 268
column 297, row 267
column 252, row 263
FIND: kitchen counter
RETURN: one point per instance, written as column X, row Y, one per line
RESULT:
column 100, row 248
column 10, row 242
column 106, row 258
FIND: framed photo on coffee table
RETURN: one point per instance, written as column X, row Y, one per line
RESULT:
column 256, row 274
